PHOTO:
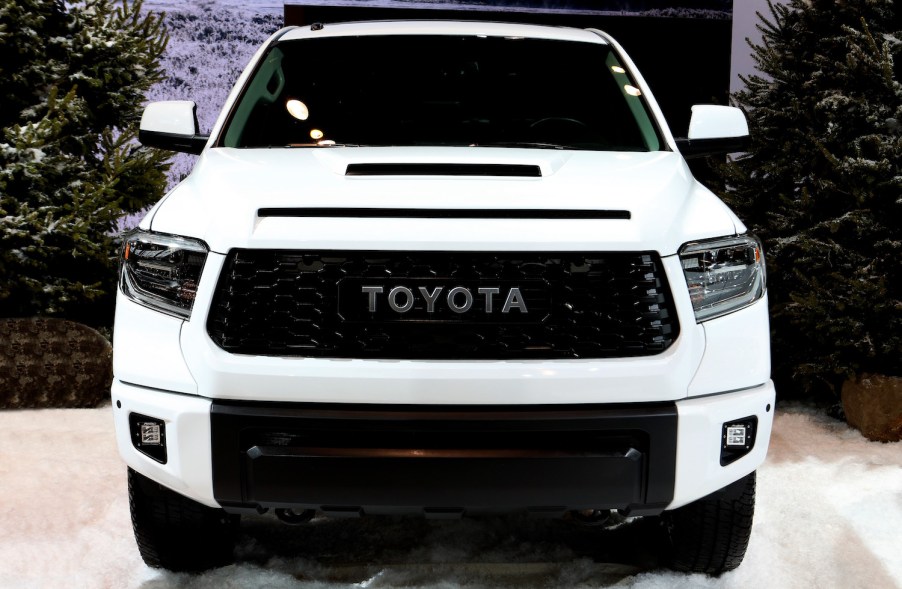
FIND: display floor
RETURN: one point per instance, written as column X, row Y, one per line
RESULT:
column 829, row 514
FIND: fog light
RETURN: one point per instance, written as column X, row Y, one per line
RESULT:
column 148, row 436
column 736, row 435
column 737, row 439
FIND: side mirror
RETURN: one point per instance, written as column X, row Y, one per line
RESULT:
column 172, row 125
column 714, row 130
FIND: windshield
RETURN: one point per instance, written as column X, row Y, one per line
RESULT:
column 441, row 90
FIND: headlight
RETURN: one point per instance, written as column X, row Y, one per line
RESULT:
column 723, row 275
column 162, row 271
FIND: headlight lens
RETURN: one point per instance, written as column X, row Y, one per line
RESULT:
column 723, row 275
column 162, row 271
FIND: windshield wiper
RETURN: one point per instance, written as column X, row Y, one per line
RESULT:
column 533, row 144
column 320, row 145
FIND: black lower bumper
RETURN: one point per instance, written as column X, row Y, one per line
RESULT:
column 444, row 460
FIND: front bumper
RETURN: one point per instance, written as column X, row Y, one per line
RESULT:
column 641, row 457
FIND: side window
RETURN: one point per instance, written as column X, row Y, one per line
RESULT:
column 632, row 96
column 262, row 92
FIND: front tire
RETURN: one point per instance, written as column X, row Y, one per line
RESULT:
column 712, row 534
column 176, row 533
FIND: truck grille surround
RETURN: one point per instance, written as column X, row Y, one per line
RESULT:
column 313, row 304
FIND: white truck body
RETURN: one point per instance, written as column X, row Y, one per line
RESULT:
column 172, row 368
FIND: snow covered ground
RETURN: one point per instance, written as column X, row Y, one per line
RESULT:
column 829, row 515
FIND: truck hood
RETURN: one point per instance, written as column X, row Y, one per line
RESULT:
column 441, row 198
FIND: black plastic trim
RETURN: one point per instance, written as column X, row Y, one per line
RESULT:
column 517, row 170
column 392, row 213
column 419, row 459
column 155, row 452
column 699, row 148
column 730, row 453
column 193, row 144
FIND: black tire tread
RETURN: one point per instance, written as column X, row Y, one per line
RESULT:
column 176, row 533
column 712, row 534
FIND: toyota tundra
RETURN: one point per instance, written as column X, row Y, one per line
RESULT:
column 448, row 269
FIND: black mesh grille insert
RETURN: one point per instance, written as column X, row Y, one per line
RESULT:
column 442, row 305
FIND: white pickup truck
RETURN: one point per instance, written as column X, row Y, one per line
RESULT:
column 446, row 268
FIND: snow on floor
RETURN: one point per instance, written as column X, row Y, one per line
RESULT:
column 829, row 514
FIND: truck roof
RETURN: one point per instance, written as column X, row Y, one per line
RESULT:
column 444, row 27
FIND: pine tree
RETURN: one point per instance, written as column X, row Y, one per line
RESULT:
column 72, row 85
column 822, row 185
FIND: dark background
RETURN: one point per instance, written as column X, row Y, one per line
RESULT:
column 685, row 61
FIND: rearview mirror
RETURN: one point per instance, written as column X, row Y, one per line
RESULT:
column 714, row 130
column 172, row 125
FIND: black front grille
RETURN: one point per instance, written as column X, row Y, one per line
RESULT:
column 523, row 305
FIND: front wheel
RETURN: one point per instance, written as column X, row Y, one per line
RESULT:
column 711, row 535
column 176, row 533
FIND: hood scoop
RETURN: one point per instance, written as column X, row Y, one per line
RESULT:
column 421, row 169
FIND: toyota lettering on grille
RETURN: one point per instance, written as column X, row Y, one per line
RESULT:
column 458, row 299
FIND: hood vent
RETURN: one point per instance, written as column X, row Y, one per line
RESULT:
column 402, row 169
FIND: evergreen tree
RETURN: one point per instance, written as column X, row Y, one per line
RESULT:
column 72, row 85
column 822, row 185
